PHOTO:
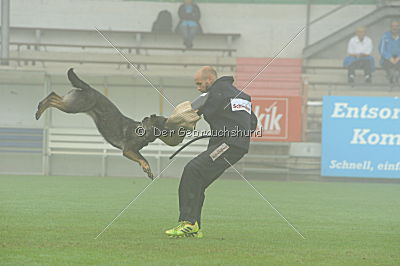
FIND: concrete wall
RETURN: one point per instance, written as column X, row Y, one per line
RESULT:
column 264, row 28
column 18, row 103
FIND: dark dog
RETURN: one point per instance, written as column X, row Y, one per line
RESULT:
column 119, row 130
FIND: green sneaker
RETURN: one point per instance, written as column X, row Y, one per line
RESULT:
column 199, row 234
column 183, row 229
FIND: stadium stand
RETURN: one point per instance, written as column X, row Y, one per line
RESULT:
column 34, row 45
column 328, row 77
column 283, row 2
column 163, row 57
column 376, row 16
column 129, row 41
column 116, row 59
column 138, row 49
column 325, row 75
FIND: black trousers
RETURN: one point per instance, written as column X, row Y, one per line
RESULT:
column 392, row 70
column 198, row 174
column 360, row 64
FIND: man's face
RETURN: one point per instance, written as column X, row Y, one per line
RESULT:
column 360, row 33
column 202, row 84
column 395, row 27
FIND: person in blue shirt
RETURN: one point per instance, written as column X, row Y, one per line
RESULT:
column 389, row 49
column 189, row 26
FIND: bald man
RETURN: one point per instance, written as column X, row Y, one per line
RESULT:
column 228, row 112
column 359, row 56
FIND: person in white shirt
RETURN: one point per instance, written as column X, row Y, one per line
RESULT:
column 359, row 55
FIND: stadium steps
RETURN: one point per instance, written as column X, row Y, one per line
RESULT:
column 327, row 77
column 348, row 31
column 142, row 61
column 378, row 78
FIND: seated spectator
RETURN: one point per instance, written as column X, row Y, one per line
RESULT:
column 389, row 49
column 188, row 26
column 163, row 22
column 359, row 56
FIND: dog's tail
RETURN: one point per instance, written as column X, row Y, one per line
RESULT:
column 76, row 81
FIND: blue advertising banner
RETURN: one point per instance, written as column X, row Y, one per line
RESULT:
column 361, row 137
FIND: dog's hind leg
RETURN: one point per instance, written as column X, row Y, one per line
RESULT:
column 75, row 101
column 137, row 157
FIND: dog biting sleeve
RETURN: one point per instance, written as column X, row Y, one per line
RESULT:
column 183, row 116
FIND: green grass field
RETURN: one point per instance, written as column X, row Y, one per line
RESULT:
column 53, row 221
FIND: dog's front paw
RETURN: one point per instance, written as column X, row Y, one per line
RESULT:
column 147, row 170
column 150, row 175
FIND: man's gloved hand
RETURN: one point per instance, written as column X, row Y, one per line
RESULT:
column 182, row 117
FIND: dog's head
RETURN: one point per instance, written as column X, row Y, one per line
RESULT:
column 159, row 122
column 156, row 121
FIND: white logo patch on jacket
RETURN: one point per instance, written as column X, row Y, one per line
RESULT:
column 218, row 151
column 241, row 105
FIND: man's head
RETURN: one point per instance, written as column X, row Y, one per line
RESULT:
column 360, row 32
column 188, row 2
column 204, row 78
column 394, row 27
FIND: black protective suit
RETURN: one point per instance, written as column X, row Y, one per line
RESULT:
column 231, row 119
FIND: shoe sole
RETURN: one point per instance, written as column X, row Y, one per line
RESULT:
column 189, row 235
